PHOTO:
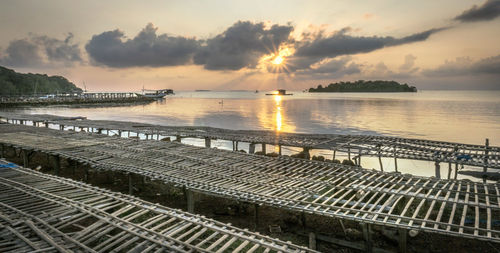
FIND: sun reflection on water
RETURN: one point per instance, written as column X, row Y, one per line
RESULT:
column 279, row 119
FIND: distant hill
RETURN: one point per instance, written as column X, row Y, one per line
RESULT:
column 365, row 86
column 12, row 83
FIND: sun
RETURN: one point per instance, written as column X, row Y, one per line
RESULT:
column 277, row 60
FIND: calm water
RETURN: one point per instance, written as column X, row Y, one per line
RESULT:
column 456, row 116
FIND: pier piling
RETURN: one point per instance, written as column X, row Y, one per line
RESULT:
column 438, row 169
column 312, row 240
column 190, row 200
column 251, row 148
column 402, row 240
column 367, row 236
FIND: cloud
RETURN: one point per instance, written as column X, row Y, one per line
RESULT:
column 488, row 11
column 41, row 51
column 331, row 68
column 465, row 66
column 341, row 43
column 408, row 64
column 242, row 45
column 147, row 49
column 321, row 47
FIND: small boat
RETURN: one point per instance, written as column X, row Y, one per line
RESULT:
column 156, row 93
column 280, row 93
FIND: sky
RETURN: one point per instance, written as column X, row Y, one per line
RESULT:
column 246, row 45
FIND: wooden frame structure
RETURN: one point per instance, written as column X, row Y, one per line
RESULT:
column 483, row 156
column 451, row 207
column 45, row 213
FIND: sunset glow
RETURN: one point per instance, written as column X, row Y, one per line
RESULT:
column 277, row 60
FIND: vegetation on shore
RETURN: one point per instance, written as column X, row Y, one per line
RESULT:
column 17, row 84
column 365, row 86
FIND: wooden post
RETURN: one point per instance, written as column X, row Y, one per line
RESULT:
column 486, row 151
column 380, row 158
column 306, row 153
column 303, row 220
column 349, row 151
column 449, row 170
column 190, row 200
column 264, row 148
column 208, row 143
column 256, row 216
column 130, row 185
column 57, row 164
column 119, row 133
column 312, row 241
column 25, row 159
column 367, row 235
column 279, row 149
column 402, row 240
column 251, row 148
column 343, row 227
column 359, row 157
column 438, row 169
column 86, row 175
column 1, row 151
column 395, row 160
column 456, row 170
column 334, row 151
column 236, row 146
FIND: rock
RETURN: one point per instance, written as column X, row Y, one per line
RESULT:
column 354, row 234
column 412, row 233
column 348, row 162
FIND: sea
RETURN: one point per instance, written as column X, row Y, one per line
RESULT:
column 453, row 116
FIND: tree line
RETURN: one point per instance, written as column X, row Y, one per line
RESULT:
column 365, row 86
column 18, row 84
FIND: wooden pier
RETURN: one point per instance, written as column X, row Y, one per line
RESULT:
column 44, row 213
column 86, row 98
column 354, row 146
column 459, row 208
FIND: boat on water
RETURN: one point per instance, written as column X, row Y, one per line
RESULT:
column 155, row 93
column 280, row 93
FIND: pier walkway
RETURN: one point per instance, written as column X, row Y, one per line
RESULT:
column 355, row 146
column 44, row 213
column 86, row 98
column 458, row 208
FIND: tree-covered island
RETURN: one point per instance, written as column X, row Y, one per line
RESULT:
column 365, row 86
column 17, row 84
